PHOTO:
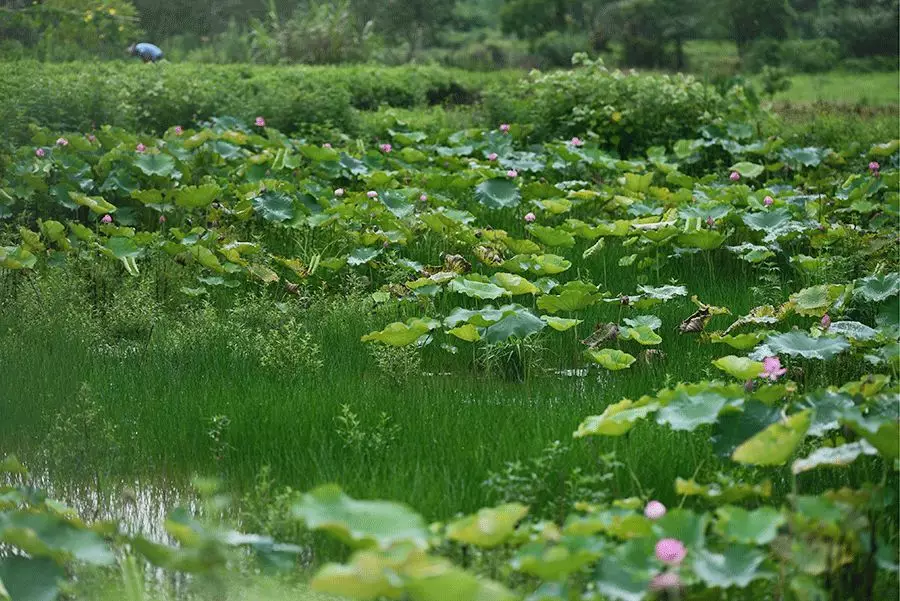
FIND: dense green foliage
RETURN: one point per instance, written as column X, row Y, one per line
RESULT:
column 237, row 296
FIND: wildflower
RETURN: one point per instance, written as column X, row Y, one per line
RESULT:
column 106, row 219
column 140, row 148
column 179, row 130
column 670, row 551
column 576, row 141
column 326, row 145
column 162, row 219
column 62, row 142
column 504, row 127
column 39, row 152
column 492, row 156
column 768, row 200
column 512, row 173
column 339, row 192
column 735, row 176
column 424, row 198
column 874, row 167
column 385, row 148
column 260, row 122
column 371, row 193
column 665, row 581
column 654, row 510
column 772, row 369
column 530, row 217
column 826, row 321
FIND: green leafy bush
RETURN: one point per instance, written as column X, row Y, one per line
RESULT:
column 802, row 56
column 627, row 111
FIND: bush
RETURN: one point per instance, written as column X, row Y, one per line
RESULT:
column 555, row 48
column 626, row 111
column 801, row 56
column 79, row 96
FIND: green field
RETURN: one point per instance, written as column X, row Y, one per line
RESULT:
column 865, row 89
column 471, row 318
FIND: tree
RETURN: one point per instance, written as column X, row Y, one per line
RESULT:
column 754, row 19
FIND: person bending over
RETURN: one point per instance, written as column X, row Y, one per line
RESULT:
column 148, row 52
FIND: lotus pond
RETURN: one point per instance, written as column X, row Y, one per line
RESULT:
column 564, row 374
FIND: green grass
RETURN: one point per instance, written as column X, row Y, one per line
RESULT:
column 868, row 89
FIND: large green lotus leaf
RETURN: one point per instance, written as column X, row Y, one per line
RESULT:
column 725, row 491
column 552, row 236
column 363, row 255
column 518, row 324
column 122, row 248
column 841, row 456
column 879, row 426
column 733, row 428
column 361, row 523
column 801, row 344
column 702, row 239
column 489, row 527
column 560, row 324
column 481, row 318
column 319, row 154
column 774, row 221
column 397, row 203
column 643, row 335
column 758, row 527
column 475, row 289
column 625, row 575
column 741, row 342
column 274, row 206
column 498, row 194
column 205, row 257
column 368, row 577
column 828, row 407
column 616, row 419
column 795, row 158
column 877, row 288
column 514, row 284
column 738, row 566
column 752, row 253
column 555, row 561
column 555, row 206
column 684, row 525
column 853, row 330
column 156, row 164
column 467, row 332
column 193, row 197
column 749, row 170
column 30, row 579
column 775, row 444
column 611, row 359
column 549, row 264
column 402, row 334
column 439, row 580
column 651, row 321
column 689, row 411
column 816, row 300
column 16, row 257
column 225, row 150
column 94, row 203
column 569, row 300
column 662, row 293
column 741, row 368
column 45, row 535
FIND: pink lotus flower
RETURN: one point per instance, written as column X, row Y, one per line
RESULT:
column 140, row 148
column 106, row 219
column 512, row 173
column 371, row 193
column 504, row 127
column 826, row 321
column 665, row 581
column 874, row 166
column 62, row 142
column 339, row 192
column 768, row 200
column 530, row 217
column 385, row 148
column 260, row 122
column 423, row 198
column 179, row 130
column 326, row 145
column 735, row 176
column 162, row 219
column 654, row 510
column 576, row 141
column 772, row 369
column 492, row 156
column 670, row 551
column 39, row 152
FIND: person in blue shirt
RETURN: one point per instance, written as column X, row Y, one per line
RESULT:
column 148, row 52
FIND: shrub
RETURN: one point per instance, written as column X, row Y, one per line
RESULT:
column 555, row 48
column 802, row 56
column 626, row 111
